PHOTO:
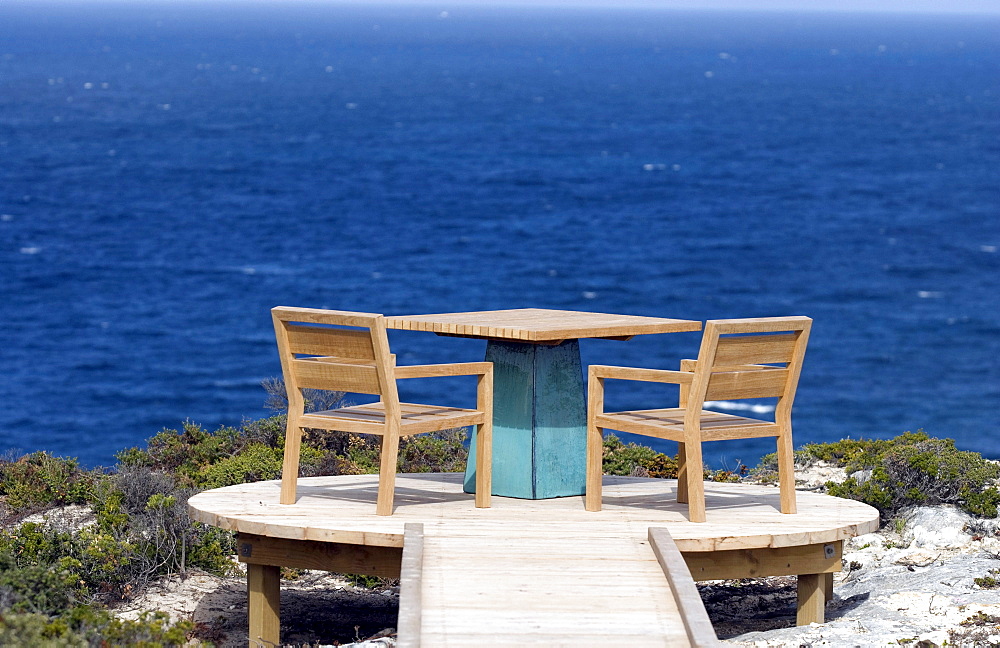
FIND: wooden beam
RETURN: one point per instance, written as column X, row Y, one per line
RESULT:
column 696, row 622
column 264, row 609
column 325, row 556
column 819, row 558
column 411, row 587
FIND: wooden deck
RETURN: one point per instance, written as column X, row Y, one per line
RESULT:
column 542, row 572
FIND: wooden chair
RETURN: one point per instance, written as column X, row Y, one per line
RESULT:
column 738, row 359
column 315, row 355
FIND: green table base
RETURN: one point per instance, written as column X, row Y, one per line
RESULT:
column 539, row 421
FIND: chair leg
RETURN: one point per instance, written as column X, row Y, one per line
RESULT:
column 290, row 462
column 595, row 468
column 695, row 481
column 387, row 473
column 682, row 474
column 484, row 464
column 786, row 473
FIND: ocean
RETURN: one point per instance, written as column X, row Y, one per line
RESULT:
column 169, row 172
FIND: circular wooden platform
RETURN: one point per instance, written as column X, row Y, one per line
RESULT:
column 342, row 509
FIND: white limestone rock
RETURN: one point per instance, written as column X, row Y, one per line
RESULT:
column 937, row 527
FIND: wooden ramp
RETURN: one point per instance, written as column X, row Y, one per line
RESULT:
column 535, row 572
column 530, row 587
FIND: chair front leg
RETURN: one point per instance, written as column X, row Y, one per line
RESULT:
column 290, row 462
column 595, row 467
column 595, row 443
column 484, row 464
column 484, row 440
column 387, row 472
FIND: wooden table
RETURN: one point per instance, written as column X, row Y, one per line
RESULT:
column 539, row 400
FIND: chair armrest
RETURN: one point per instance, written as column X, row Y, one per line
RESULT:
column 645, row 375
column 439, row 370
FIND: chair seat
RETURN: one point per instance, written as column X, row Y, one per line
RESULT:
column 669, row 424
column 415, row 418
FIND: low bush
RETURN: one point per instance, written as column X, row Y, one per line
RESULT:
column 912, row 469
column 84, row 626
column 636, row 460
column 39, row 480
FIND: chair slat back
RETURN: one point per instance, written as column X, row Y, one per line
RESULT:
column 315, row 356
column 341, row 343
column 336, row 376
column 755, row 349
column 757, row 358
column 737, row 385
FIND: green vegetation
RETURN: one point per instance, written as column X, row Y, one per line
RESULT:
column 636, row 460
column 641, row 461
column 39, row 480
column 85, row 626
column 56, row 584
column 981, row 619
column 988, row 581
column 911, row 469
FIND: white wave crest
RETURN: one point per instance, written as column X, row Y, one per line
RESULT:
column 756, row 408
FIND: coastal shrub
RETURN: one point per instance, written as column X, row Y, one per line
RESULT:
column 148, row 508
column 84, row 627
column 436, row 452
column 989, row 581
column 88, row 564
column 912, row 469
column 186, row 451
column 316, row 400
column 632, row 459
column 636, row 460
column 766, row 470
column 39, row 587
column 256, row 462
column 39, row 480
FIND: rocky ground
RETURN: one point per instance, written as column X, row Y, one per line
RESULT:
column 912, row 583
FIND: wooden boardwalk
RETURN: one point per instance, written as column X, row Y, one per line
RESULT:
column 542, row 572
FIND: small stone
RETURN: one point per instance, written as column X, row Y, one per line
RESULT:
column 916, row 558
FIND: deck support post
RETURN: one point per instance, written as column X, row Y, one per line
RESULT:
column 812, row 599
column 264, row 592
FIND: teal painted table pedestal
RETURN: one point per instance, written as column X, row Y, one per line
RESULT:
column 539, row 421
column 539, row 406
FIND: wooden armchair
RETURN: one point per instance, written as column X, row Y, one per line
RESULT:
column 738, row 359
column 316, row 355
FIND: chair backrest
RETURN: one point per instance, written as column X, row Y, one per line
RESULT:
column 336, row 351
column 748, row 358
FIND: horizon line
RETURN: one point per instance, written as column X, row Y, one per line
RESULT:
column 896, row 7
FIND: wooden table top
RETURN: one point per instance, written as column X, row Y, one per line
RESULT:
column 539, row 325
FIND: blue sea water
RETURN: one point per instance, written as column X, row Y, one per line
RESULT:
column 169, row 172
